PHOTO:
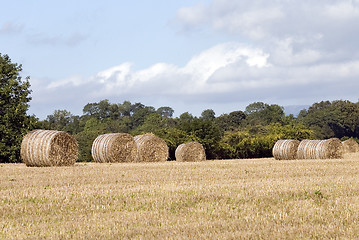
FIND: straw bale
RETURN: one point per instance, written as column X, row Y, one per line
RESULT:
column 190, row 152
column 320, row 149
column 330, row 149
column 114, row 147
column 41, row 148
column 285, row 149
column 350, row 146
column 151, row 148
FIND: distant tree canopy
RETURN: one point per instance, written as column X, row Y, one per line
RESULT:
column 332, row 119
column 238, row 134
column 14, row 98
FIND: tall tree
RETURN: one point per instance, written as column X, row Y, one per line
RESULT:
column 14, row 98
column 259, row 113
column 165, row 112
column 208, row 115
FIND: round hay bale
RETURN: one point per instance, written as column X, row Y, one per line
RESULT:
column 285, row 149
column 320, row 149
column 43, row 148
column 190, row 152
column 330, row 149
column 350, row 146
column 306, row 149
column 151, row 148
column 114, row 147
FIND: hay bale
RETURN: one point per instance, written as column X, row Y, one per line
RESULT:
column 285, row 149
column 320, row 149
column 350, row 146
column 114, row 147
column 306, row 149
column 330, row 149
column 42, row 148
column 190, row 152
column 151, row 148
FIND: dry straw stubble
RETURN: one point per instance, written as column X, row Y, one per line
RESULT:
column 114, row 147
column 151, row 148
column 285, row 149
column 41, row 148
column 190, row 152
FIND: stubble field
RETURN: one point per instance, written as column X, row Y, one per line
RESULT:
column 227, row 199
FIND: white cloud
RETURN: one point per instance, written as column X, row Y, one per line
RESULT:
column 268, row 22
column 296, row 52
column 227, row 73
column 11, row 28
column 343, row 10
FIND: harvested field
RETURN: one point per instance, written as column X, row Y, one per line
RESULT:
column 231, row 199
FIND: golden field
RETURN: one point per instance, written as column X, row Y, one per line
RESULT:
column 222, row 199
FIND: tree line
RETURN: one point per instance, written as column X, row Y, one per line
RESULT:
column 249, row 133
column 239, row 134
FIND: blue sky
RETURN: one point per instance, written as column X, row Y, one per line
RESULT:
column 189, row 55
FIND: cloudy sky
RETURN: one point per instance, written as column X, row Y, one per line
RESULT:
column 190, row 55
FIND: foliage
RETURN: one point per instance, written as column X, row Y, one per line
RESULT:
column 332, row 119
column 239, row 134
column 257, row 141
column 14, row 98
column 259, row 113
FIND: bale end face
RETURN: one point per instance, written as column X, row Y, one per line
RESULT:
column 114, row 147
column 190, row 152
column 285, row 149
column 151, row 148
column 350, row 146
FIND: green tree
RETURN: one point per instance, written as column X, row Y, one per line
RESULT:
column 332, row 119
column 208, row 115
column 165, row 112
column 59, row 119
column 14, row 99
column 259, row 113
column 230, row 121
column 93, row 128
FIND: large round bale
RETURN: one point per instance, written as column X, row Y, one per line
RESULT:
column 151, row 148
column 320, row 149
column 329, row 149
column 114, row 147
column 43, row 148
column 350, row 146
column 307, row 149
column 190, row 152
column 285, row 149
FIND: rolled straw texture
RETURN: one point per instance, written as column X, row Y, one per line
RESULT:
column 350, row 146
column 114, row 147
column 285, row 149
column 306, row 149
column 190, row 152
column 320, row 149
column 330, row 149
column 151, row 148
column 43, row 148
